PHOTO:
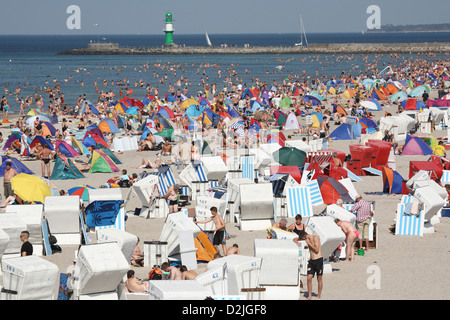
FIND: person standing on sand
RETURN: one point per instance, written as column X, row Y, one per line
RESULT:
column 9, row 174
column 364, row 213
column 352, row 234
column 315, row 264
column 219, row 231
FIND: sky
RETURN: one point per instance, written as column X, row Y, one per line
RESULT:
column 47, row 17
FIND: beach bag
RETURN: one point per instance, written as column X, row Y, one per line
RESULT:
column 155, row 274
column 124, row 184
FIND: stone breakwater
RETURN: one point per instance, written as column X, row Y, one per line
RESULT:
column 330, row 48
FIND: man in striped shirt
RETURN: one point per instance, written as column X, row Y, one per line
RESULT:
column 363, row 212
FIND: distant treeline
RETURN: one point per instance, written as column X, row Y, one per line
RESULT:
column 413, row 28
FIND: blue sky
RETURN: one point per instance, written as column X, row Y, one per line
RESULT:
column 225, row 16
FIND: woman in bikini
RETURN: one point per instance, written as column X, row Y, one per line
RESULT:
column 352, row 234
column 297, row 226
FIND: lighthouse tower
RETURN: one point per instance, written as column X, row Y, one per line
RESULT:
column 169, row 30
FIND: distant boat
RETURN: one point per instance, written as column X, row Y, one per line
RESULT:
column 362, row 31
column 208, row 42
column 302, row 34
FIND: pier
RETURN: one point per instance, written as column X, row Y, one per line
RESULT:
column 315, row 48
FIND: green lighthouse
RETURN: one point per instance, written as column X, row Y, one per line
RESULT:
column 169, row 30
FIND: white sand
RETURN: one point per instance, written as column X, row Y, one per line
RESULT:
column 410, row 267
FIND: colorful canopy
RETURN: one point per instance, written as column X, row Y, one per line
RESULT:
column 30, row 188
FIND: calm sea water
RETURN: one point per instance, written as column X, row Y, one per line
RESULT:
column 32, row 62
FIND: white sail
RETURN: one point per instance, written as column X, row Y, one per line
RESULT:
column 208, row 42
column 302, row 35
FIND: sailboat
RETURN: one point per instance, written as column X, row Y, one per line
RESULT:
column 302, row 34
column 208, row 42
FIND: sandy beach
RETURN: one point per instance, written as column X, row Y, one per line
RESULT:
column 410, row 267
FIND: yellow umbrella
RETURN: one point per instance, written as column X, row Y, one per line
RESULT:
column 30, row 188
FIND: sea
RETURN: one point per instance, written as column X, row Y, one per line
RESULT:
column 32, row 64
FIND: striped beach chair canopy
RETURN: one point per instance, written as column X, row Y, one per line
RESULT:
column 408, row 224
column 299, row 202
column 278, row 181
column 166, row 179
column 248, row 167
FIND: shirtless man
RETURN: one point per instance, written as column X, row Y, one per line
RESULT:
column 315, row 264
column 280, row 225
column 172, row 196
column 175, row 273
column 9, row 174
column 221, row 125
column 336, row 160
column 46, row 155
column 234, row 249
column 166, row 148
column 133, row 285
column 219, row 231
column 352, row 234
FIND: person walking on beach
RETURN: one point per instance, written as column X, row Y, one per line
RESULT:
column 219, row 231
column 352, row 234
column 172, row 197
column 363, row 211
column 315, row 264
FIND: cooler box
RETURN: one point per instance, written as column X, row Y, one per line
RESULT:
column 177, row 290
column 100, row 268
column 175, row 223
column 242, row 272
column 32, row 277
column 330, row 234
column 214, row 167
column 214, row 280
column 337, row 212
column 432, row 201
column 12, row 225
column 363, row 153
column 126, row 241
column 256, row 201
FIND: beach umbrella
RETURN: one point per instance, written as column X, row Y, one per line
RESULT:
column 371, row 104
column 132, row 111
column 30, row 121
column 30, row 188
column 81, row 190
column 289, row 156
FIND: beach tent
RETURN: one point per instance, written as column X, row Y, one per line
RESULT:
column 392, row 181
column 255, row 105
column 416, row 146
column 280, row 117
column 100, row 162
column 194, row 111
column 15, row 164
column 42, row 141
column 332, row 190
column 419, row 90
column 109, row 153
column 348, row 94
column 337, row 108
column 166, row 112
column 65, row 169
column 344, row 132
column 391, row 88
column 92, row 139
column 311, row 100
column 190, row 102
column 205, row 250
column 108, row 126
column 80, row 147
column 65, row 149
column 48, row 129
column 317, row 118
column 286, row 102
column 13, row 137
column 400, row 95
column 30, row 120
column 368, row 123
column 378, row 95
column 413, row 104
column 291, row 122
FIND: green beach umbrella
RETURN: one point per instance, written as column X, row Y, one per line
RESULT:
column 289, row 156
